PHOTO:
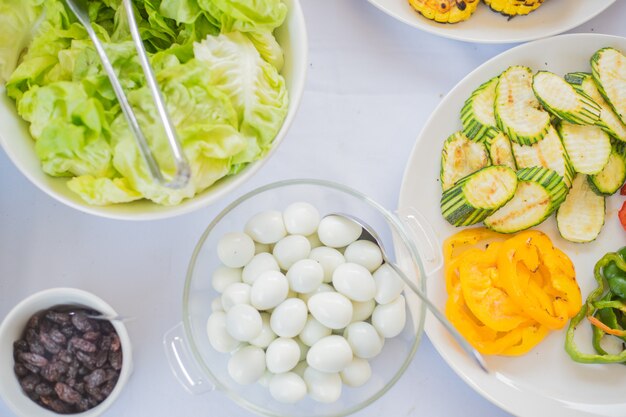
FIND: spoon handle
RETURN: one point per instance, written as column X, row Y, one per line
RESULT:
column 108, row 317
column 473, row 353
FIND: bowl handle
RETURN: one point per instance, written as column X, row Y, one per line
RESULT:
column 182, row 362
column 423, row 236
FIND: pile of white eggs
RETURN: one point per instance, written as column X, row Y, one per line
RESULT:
column 304, row 303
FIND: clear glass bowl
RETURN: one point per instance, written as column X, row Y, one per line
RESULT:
column 200, row 368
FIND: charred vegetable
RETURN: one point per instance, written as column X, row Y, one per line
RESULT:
column 445, row 11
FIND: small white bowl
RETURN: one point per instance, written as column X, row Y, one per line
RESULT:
column 12, row 328
column 20, row 147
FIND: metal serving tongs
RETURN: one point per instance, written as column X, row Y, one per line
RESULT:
column 183, row 172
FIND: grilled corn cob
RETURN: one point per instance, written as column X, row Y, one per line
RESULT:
column 513, row 7
column 445, row 11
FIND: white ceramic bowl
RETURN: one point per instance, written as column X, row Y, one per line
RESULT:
column 19, row 146
column 545, row 382
column 487, row 26
column 11, row 330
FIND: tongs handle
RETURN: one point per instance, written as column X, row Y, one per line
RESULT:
column 183, row 172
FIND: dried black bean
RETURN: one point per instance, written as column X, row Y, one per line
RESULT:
column 112, row 375
column 95, row 378
column 20, row 369
column 36, row 347
column 68, row 363
column 107, row 327
column 65, row 356
column 68, row 330
column 93, row 401
column 29, row 382
column 81, row 322
column 80, row 387
column 72, row 371
column 58, row 317
column 105, row 342
column 45, row 326
column 33, row 321
column 20, row 346
column 83, row 405
column 31, row 335
column 43, row 389
column 108, row 388
column 86, row 359
column 33, row 359
column 49, row 344
column 82, row 344
column 115, row 343
column 54, row 371
column 66, row 393
column 31, row 368
column 115, row 359
column 58, row 337
column 95, row 392
column 101, row 358
column 91, row 336
column 56, row 405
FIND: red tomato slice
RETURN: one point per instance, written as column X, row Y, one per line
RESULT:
column 622, row 191
column 622, row 215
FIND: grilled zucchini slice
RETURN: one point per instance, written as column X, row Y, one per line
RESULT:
column 478, row 195
column 479, row 123
column 609, row 122
column 461, row 157
column 500, row 151
column 517, row 111
column 613, row 175
column 588, row 147
column 608, row 66
column 562, row 100
column 445, row 11
column 513, row 7
column 548, row 153
column 581, row 216
column 539, row 192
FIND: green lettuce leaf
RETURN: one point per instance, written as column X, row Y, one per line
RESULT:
column 183, row 11
column 245, row 15
column 268, row 48
column 206, row 124
column 17, row 19
column 102, row 191
column 254, row 86
column 70, row 129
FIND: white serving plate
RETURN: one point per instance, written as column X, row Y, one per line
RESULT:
column 544, row 382
column 20, row 147
column 486, row 26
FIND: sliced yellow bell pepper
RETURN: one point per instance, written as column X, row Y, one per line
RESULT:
column 491, row 305
column 506, row 293
column 486, row 340
column 559, row 298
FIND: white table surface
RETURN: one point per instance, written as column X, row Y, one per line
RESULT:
column 372, row 84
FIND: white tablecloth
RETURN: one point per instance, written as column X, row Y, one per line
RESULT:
column 372, row 84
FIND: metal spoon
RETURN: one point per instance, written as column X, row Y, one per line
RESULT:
column 369, row 234
column 105, row 317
